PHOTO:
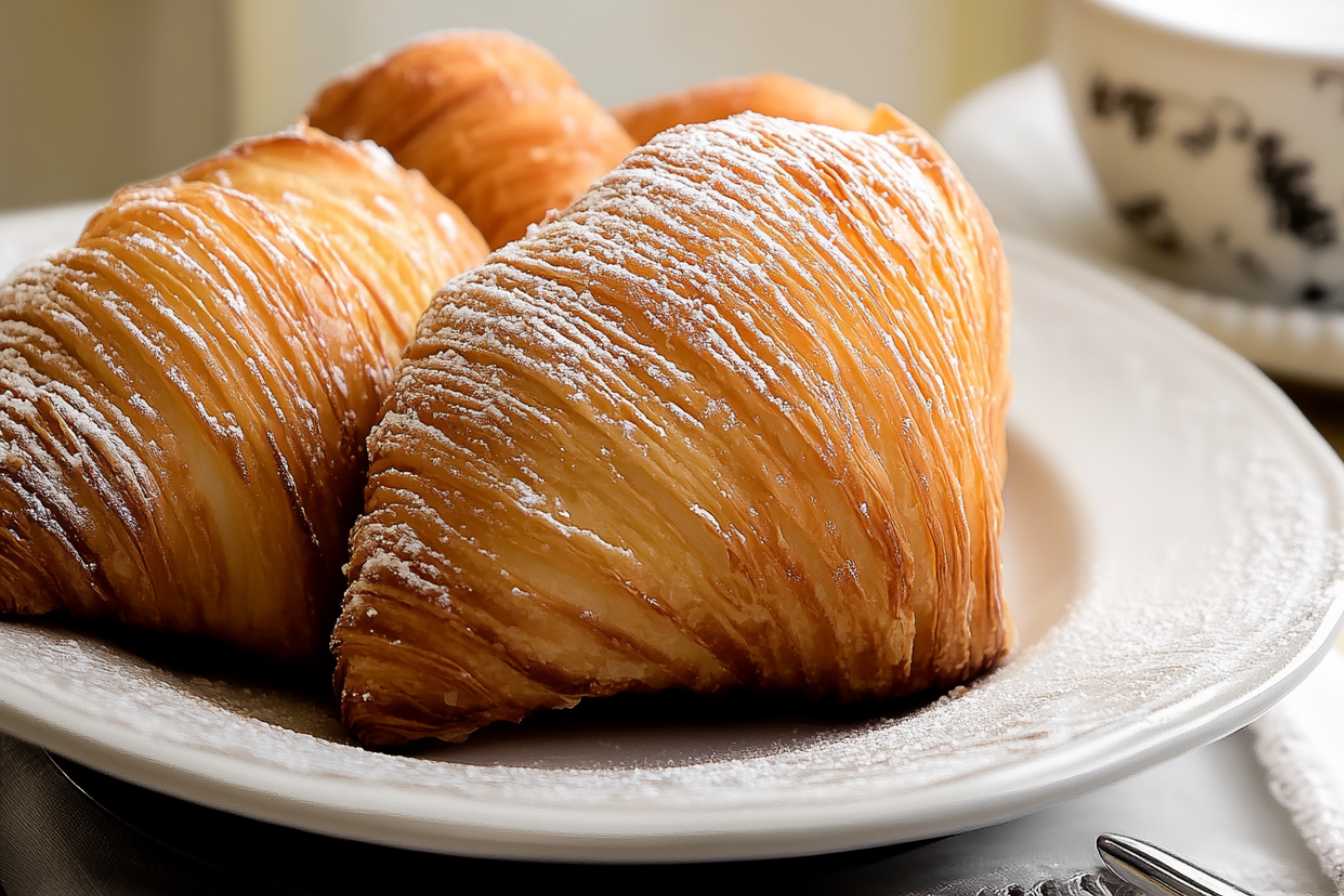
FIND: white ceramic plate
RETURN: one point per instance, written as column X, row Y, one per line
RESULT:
column 1013, row 140
column 1173, row 560
column 31, row 233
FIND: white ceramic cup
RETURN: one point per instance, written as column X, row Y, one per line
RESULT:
column 1216, row 129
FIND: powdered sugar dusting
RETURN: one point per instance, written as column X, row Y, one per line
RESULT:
column 184, row 392
column 1166, row 557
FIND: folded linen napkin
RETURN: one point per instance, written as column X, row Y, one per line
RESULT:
column 1300, row 742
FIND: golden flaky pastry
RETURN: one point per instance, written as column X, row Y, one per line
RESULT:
column 734, row 421
column 491, row 119
column 768, row 94
column 185, row 394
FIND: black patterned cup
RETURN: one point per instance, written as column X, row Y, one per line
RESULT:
column 1217, row 137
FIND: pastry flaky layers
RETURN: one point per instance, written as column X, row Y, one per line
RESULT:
column 733, row 421
column 768, row 94
column 493, row 120
column 186, row 393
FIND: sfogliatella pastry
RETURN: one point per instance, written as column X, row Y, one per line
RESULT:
column 185, row 393
column 768, row 94
column 491, row 119
column 733, row 421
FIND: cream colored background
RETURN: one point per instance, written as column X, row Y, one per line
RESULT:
column 95, row 93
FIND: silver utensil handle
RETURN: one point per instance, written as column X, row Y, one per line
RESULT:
column 1158, row 872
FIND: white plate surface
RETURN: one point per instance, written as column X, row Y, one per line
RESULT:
column 1013, row 140
column 1173, row 560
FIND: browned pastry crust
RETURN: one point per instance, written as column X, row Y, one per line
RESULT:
column 185, row 393
column 768, row 94
column 735, row 420
column 491, row 119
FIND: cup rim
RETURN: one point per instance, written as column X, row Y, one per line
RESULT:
column 1151, row 22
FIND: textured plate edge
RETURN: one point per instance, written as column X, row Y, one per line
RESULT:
column 435, row 821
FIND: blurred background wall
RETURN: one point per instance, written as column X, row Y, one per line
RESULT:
column 96, row 93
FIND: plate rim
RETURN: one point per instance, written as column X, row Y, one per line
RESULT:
column 435, row 821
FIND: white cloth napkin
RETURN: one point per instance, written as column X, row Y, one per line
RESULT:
column 1301, row 744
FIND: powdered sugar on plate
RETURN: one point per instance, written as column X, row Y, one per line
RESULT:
column 1173, row 562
